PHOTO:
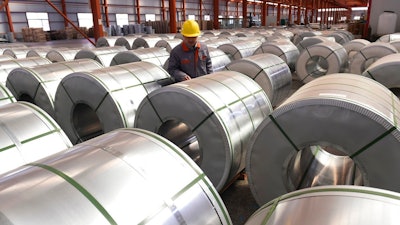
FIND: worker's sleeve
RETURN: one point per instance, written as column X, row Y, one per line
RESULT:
column 174, row 66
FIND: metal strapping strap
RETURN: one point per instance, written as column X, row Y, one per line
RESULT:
column 271, row 210
column 371, row 75
column 79, row 187
column 283, row 132
column 154, row 109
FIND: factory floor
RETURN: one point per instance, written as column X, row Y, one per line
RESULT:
column 237, row 196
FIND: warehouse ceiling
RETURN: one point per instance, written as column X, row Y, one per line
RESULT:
column 332, row 3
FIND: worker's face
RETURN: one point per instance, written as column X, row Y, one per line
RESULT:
column 190, row 41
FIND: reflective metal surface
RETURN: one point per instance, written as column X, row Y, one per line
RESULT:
column 286, row 50
column 269, row 71
column 331, row 205
column 122, row 177
column 61, row 55
column 321, row 59
column 299, row 36
column 7, row 66
column 27, row 134
column 384, row 70
column 218, row 59
column 155, row 55
column 221, row 110
column 5, row 46
column 108, row 41
column 103, row 55
column 40, row 52
column 168, row 44
column 126, row 41
column 17, row 53
column 354, row 115
column 145, row 42
column 38, row 84
column 240, row 49
column 90, row 103
column 5, row 95
column 307, row 42
column 369, row 54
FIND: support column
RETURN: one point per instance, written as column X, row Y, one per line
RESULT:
column 183, row 10
column 365, row 34
column 163, row 10
column 106, row 13
column 244, row 14
column 264, row 10
column 64, row 11
column 299, row 12
column 278, row 14
column 138, row 11
column 97, row 23
column 172, row 16
column 9, row 18
column 216, row 12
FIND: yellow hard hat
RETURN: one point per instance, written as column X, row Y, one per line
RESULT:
column 190, row 28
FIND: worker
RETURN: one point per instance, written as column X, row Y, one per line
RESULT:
column 191, row 58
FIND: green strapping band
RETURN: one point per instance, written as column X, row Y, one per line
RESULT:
column 283, row 132
column 373, row 142
column 271, row 210
column 79, row 188
column 394, row 109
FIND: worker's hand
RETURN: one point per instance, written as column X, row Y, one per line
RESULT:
column 187, row 77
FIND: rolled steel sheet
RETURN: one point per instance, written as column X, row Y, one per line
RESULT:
column 17, row 53
column 354, row 46
column 210, row 117
column 5, row 95
column 309, row 41
column 321, row 59
column 269, row 71
column 108, row 41
column 168, row 44
column 156, row 55
column 385, row 71
column 27, row 134
column 298, row 37
column 104, row 180
column 369, row 54
column 103, row 55
column 90, row 103
column 7, row 66
column 5, row 46
column 38, row 84
column 286, row 50
column 240, row 49
column 334, row 130
column 145, row 42
column 284, row 33
column 389, row 37
column 62, row 55
column 126, row 41
column 40, row 52
column 339, row 37
column 331, row 205
column 217, row 42
column 396, row 44
column 218, row 59
column 5, row 58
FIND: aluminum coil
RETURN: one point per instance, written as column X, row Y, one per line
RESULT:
column 321, row 59
column 17, row 53
column 27, row 134
column 7, row 66
column 103, row 55
column 339, row 37
column 108, row 41
column 90, row 103
column 40, row 52
column 396, row 44
column 385, row 71
column 104, row 180
column 155, row 55
column 4, row 46
column 218, row 59
column 210, row 117
column 269, row 71
column 331, row 205
column 62, row 55
column 286, row 50
column 5, row 95
column 369, row 54
column 286, row 33
column 240, row 49
column 335, row 130
column 309, row 41
column 145, row 42
column 217, row 42
column 168, row 44
column 126, row 41
column 354, row 46
column 389, row 37
column 38, row 84
column 298, row 37
column 5, row 58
